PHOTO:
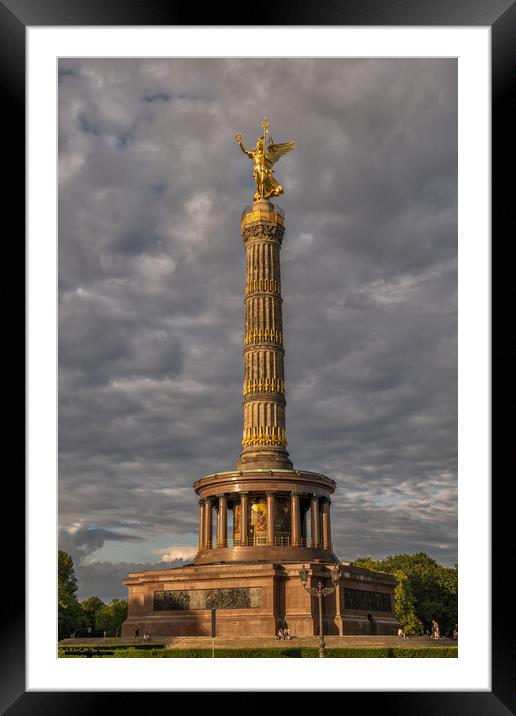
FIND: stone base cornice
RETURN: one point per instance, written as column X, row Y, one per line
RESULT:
column 266, row 553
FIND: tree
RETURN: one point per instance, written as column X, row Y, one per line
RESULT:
column 375, row 565
column 69, row 612
column 111, row 617
column 405, row 604
column 90, row 608
column 67, row 581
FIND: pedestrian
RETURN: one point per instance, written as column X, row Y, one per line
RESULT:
column 401, row 633
column 435, row 630
column 137, row 632
column 105, row 633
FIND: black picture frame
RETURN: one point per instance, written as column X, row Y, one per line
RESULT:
column 500, row 16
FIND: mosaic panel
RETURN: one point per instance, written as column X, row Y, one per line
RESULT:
column 179, row 600
column 171, row 601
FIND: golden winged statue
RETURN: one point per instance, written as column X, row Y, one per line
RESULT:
column 264, row 155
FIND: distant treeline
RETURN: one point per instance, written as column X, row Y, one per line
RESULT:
column 91, row 617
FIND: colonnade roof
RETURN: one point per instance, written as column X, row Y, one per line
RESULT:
column 264, row 480
column 269, row 471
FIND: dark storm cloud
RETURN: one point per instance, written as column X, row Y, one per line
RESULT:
column 151, row 272
column 104, row 579
column 79, row 542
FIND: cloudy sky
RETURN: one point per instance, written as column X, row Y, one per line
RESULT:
column 151, row 281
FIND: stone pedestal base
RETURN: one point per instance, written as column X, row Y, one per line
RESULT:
column 255, row 599
column 264, row 458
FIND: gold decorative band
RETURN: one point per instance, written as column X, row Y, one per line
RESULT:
column 264, row 435
column 262, row 213
column 262, row 284
column 262, row 233
column 257, row 336
column 272, row 385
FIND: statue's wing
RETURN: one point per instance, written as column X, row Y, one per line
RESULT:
column 275, row 151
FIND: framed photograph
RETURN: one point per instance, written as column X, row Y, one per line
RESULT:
column 442, row 56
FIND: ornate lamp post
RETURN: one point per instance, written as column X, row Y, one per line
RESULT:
column 320, row 592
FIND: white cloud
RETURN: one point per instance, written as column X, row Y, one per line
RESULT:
column 175, row 552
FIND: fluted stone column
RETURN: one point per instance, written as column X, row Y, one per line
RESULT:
column 222, row 521
column 295, row 516
column 264, row 437
column 201, row 524
column 244, row 517
column 208, row 517
column 270, row 518
column 314, row 515
column 326, row 530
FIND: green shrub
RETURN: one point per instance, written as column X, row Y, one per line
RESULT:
column 428, row 652
column 394, row 652
column 80, row 648
column 293, row 653
column 244, row 653
column 162, row 654
column 372, row 652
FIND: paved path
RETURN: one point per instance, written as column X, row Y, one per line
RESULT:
column 199, row 642
column 330, row 641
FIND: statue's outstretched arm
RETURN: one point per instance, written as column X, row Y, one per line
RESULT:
column 245, row 151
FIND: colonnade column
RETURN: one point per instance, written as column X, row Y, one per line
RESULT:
column 222, row 521
column 201, row 524
column 295, row 516
column 270, row 518
column 244, row 517
column 208, row 512
column 315, row 532
column 326, row 529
